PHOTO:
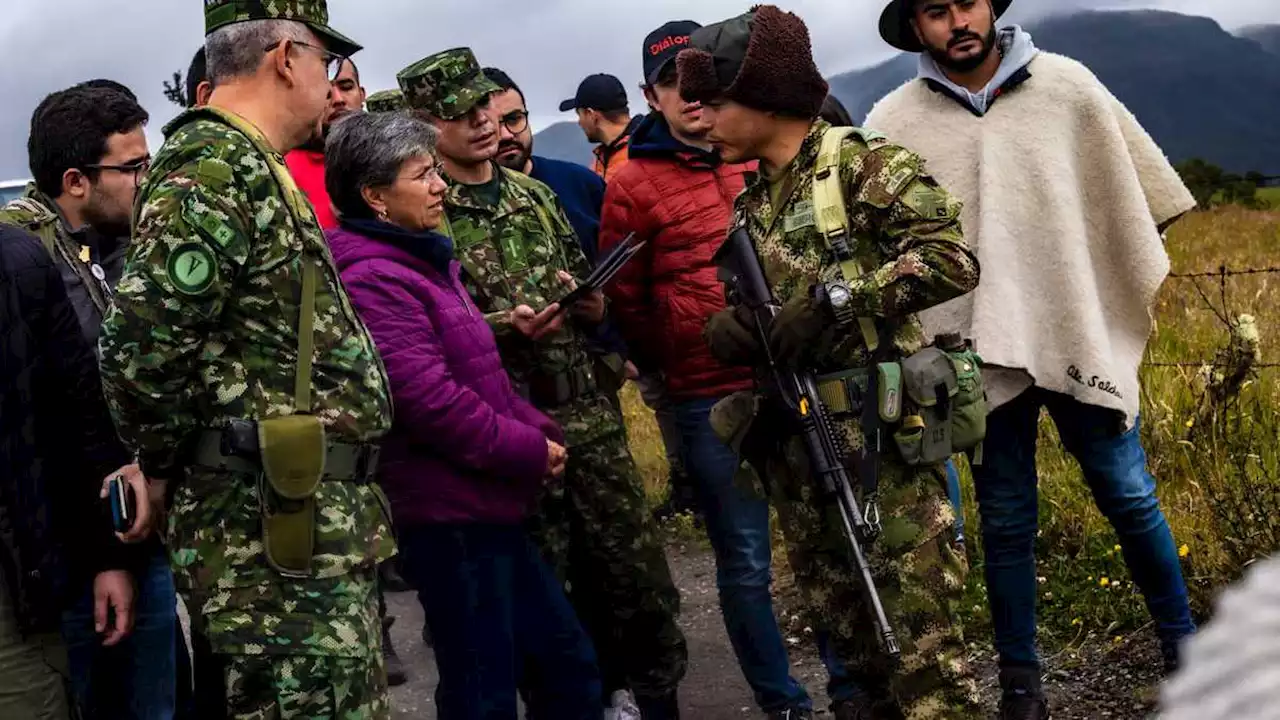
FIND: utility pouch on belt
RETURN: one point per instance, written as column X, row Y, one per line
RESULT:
column 945, row 403
column 293, row 451
column 733, row 417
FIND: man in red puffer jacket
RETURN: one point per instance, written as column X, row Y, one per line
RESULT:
column 675, row 193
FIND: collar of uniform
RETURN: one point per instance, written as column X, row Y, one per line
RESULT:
column 807, row 155
column 225, row 117
column 513, row 197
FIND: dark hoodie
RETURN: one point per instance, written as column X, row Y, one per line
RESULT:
column 57, row 441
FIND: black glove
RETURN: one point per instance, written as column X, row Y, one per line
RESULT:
column 797, row 327
column 731, row 335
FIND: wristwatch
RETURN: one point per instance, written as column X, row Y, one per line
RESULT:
column 839, row 300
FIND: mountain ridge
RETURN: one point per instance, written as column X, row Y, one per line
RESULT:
column 1199, row 90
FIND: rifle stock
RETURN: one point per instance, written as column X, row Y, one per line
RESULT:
column 741, row 271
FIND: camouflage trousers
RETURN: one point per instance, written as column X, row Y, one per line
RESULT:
column 305, row 687
column 596, row 532
column 337, row 681
column 917, row 570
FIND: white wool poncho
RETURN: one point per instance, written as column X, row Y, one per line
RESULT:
column 1063, row 193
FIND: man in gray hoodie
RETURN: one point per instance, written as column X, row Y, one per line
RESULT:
column 1009, row 129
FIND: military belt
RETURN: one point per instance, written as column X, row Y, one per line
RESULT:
column 232, row 450
column 844, row 393
column 561, row 388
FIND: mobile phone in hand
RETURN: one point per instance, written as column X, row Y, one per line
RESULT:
column 123, row 501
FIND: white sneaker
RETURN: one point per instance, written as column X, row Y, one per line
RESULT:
column 622, row 707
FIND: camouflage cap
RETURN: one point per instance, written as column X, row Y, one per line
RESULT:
column 385, row 101
column 313, row 13
column 447, row 84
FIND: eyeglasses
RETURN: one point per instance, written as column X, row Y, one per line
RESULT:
column 137, row 169
column 516, row 121
column 332, row 60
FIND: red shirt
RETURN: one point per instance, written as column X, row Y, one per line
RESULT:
column 307, row 168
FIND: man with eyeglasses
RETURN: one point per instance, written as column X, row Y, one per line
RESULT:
column 239, row 372
column 87, row 151
column 581, row 193
column 519, row 253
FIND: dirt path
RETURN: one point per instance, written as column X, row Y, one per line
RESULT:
column 1101, row 680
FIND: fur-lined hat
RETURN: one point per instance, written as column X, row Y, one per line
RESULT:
column 762, row 59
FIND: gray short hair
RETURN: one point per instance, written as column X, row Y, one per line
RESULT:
column 368, row 150
column 237, row 50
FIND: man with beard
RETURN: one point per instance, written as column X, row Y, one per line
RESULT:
column 88, row 152
column 581, row 194
column 677, row 194
column 518, row 253
column 900, row 251
column 306, row 164
column 1065, row 198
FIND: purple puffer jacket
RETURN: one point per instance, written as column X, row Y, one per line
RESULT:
column 464, row 446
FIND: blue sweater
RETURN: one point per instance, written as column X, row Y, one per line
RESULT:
column 581, row 192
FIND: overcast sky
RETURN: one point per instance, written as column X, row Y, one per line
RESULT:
column 547, row 46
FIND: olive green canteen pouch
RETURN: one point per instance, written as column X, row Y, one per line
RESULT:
column 293, row 455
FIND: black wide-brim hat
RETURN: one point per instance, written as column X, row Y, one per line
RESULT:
column 895, row 23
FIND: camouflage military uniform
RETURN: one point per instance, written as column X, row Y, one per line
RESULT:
column 907, row 229
column 593, row 524
column 205, row 330
column 385, row 101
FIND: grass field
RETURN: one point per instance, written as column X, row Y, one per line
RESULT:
column 1220, row 488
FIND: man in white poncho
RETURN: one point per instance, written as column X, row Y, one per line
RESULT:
column 1065, row 199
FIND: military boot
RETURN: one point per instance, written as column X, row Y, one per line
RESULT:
column 1021, row 695
column 396, row 674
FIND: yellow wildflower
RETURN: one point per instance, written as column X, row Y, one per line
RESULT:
column 1104, row 582
column 1184, row 551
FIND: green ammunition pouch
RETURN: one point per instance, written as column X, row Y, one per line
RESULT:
column 287, row 457
column 555, row 390
column 293, row 453
column 944, row 405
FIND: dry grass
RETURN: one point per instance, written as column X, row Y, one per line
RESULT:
column 1221, row 493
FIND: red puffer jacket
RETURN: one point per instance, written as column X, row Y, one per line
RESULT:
column 680, row 199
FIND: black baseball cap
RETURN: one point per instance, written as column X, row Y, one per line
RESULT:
column 598, row 92
column 662, row 46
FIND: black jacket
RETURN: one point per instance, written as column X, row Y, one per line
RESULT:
column 57, row 440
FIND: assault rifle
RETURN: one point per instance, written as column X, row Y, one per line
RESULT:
column 740, row 270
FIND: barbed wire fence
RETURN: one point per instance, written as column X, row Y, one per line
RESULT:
column 1235, row 325
column 1233, row 430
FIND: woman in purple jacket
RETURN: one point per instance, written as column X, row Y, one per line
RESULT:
column 466, row 454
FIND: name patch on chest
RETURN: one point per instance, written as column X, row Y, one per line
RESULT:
column 801, row 216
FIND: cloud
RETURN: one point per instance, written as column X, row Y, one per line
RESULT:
column 547, row 46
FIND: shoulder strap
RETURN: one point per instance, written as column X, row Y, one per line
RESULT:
column 833, row 219
column 299, row 208
column 31, row 216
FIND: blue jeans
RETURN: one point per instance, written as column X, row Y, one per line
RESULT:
column 1115, row 468
column 138, row 678
column 738, row 527
column 499, row 621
